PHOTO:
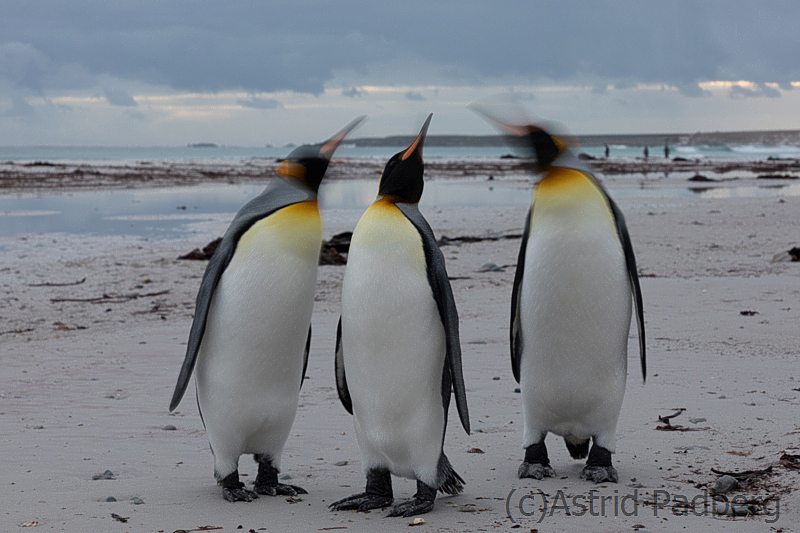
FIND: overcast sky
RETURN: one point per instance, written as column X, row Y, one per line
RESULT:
column 166, row 72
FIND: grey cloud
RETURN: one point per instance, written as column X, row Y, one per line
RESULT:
column 415, row 96
column 23, row 66
column 119, row 97
column 692, row 90
column 285, row 45
column 259, row 103
column 353, row 92
column 757, row 91
column 20, row 108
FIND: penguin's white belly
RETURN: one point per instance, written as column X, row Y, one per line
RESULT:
column 575, row 314
column 393, row 347
column 250, row 363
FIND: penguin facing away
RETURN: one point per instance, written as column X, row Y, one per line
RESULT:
column 251, row 333
column 398, row 353
column 571, row 305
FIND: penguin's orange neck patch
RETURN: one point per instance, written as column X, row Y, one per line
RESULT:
column 566, row 189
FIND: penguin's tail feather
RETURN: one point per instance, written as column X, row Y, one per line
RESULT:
column 578, row 449
column 447, row 479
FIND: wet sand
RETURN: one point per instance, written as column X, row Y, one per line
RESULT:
column 93, row 332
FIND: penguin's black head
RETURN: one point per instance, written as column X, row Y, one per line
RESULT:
column 544, row 147
column 402, row 176
column 530, row 140
column 304, row 164
column 308, row 163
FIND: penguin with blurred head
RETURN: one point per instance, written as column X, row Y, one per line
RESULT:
column 398, row 354
column 251, row 333
column 575, row 285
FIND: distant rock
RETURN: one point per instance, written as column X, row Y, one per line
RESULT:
column 202, row 145
column 205, row 254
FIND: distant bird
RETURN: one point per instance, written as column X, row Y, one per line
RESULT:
column 252, row 325
column 398, row 353
column 571, row 309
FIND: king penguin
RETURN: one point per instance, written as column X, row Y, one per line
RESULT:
column 575, row 285
column 398, row 354
column 251, row 332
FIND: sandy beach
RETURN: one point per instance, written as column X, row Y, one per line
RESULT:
column 93, row 331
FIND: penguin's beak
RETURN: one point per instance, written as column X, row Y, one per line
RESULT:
column 416, row 147
column 329, row 147
column 401, row 179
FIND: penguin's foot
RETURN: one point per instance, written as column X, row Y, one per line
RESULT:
column 267, row 480
column 279, row 489
column 377, row 495
column 233, row 490
column 536, row 463
column 421, row 504
column 598, row 466
column 535, row 470
column 599, row 474
column 362, row 502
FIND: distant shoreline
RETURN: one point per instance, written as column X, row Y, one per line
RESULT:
column 717, row 138
column 38, row 175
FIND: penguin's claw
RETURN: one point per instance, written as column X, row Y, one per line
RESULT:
column 279, row 489
column 411, row 508
column 238, row 494
column 361, row 502
column 535, row 470
column 599, row 474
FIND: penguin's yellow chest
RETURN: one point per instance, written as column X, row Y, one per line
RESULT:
column 296, row 229
column 387, row 235
column 571, row 192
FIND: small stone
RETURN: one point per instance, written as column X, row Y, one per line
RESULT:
column 418, row 522
column 137, row 500
column 108, row 474
column 111, row 499
column 475, row 450
column 284, row 477
column 169, row 427
column 725, row 484
column 293, row 499
column 496, row 378
column 697, row 420
column 490, row 267
column 340, row 463
column 517, row 390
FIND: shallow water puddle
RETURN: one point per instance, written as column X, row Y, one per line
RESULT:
column 167, row 212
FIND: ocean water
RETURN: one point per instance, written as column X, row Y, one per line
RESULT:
column 238, row 153
column 170, row 212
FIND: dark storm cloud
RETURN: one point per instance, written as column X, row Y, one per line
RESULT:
column 299, row 46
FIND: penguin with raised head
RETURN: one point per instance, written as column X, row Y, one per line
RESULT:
column 398, row 354
column 574, row 288
column 251, row 332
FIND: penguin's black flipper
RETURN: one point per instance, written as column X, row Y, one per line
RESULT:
column 341, row 380
column 277, row 195
column 516, row 328
column 630, row 262
column 443, row 294
column 305, row 356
